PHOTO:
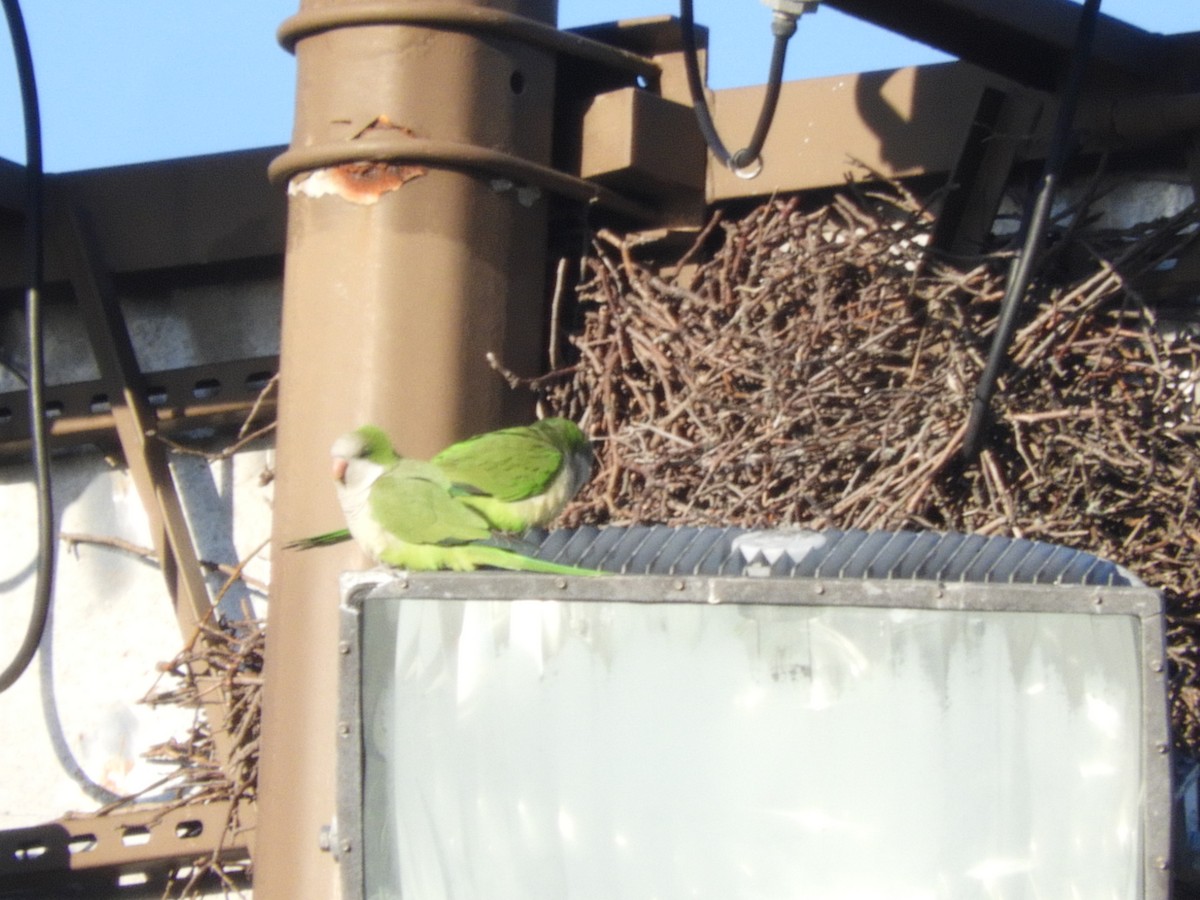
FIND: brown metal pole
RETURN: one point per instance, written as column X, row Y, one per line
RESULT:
column 398, row 281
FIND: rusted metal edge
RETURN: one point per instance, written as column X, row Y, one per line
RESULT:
column 396, row 147
column 206, row 395
column 465, row 18
column 144, row 839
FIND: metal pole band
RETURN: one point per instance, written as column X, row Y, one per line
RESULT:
column 451, row 155
column 465, row 18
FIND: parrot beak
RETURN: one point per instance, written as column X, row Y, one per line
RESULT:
column 339, row 470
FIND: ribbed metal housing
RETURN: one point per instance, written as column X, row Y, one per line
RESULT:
column 792, row 553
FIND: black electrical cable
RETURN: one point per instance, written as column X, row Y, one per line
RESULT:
column 1033, row 227
column 47, row 539
column 783, row 27
column 34, row 228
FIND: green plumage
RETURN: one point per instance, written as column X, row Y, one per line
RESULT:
column 427, row 515
column 516, row 478
column 512, row 463
column 519, row 477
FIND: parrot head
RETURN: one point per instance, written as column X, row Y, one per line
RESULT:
column 368, row 445
column 573, row 444
column 563, row 434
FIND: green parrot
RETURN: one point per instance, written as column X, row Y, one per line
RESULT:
column 411, row 515
column 517, row 478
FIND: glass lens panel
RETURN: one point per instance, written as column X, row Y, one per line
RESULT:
column 610, row 750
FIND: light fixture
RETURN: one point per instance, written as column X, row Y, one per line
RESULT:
column 672, row 734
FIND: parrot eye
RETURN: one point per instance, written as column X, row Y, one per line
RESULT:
column 348, row 446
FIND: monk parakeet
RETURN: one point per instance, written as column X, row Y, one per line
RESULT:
column 517, row 478
column 410, row 514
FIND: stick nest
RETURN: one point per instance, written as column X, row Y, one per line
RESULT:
column 222, row 660
column 816, row 368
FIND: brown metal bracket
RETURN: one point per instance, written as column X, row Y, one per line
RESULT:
column 122, row 849
column 135, row 423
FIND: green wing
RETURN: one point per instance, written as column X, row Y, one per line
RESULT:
column 413, row 502
column 511, row 464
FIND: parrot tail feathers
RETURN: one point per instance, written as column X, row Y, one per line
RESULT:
column 511, row 541
column 499, row 558
column 328, row 539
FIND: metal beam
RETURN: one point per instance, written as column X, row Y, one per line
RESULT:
column 1025, row 40
column 918, row 121
column 117, row 849
column 198, row 211
column 900, row 123
column 12, row 194
column 146, row 457
column 214, row 394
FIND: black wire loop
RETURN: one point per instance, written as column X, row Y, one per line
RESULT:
column 35, row 266
column 741, row 162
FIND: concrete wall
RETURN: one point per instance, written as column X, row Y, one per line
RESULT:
column 75, row 717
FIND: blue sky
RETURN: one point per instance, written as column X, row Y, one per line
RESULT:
column 132, row 80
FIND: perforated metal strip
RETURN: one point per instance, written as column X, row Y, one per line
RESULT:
column 681, row 550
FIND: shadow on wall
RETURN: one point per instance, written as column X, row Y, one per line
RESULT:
column 908, row 108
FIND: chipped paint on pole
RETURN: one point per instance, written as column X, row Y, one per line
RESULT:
column 361, row 181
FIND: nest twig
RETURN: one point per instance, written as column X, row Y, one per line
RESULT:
column 73, row 540
column 224, row 658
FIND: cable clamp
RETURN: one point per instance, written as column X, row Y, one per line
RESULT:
column 792, row 9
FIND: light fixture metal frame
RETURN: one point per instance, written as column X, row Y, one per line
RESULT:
column 360, row 590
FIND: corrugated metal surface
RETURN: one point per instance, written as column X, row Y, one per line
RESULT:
column 669, row 550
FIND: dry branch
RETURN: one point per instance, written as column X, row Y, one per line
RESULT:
column 74, row 539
